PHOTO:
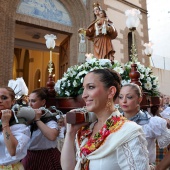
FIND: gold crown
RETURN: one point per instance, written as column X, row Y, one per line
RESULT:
column 96, row 4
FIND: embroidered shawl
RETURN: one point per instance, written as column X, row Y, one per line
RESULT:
column 116, row 131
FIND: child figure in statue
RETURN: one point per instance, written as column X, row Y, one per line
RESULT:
column 100, row 25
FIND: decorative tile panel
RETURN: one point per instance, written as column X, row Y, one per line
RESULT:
column 51, row 10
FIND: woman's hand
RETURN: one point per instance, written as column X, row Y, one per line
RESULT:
column 73, row 128
column 10, row 141
column 38, row 114
column 6, row 116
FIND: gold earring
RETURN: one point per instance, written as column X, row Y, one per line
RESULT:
column 108, row 105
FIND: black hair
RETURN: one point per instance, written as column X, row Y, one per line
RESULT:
column 41, row 93
column 109, row 78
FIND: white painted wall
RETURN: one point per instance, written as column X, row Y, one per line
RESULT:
column 159, row 32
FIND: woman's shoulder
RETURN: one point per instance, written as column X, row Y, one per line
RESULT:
column 166, row 113
column 157, row 121
column 128, row 123
column 132, row 124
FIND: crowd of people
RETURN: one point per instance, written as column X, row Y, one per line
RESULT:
column 115, row 140
column 105, row 143
column 111, row 142
column 24, row 144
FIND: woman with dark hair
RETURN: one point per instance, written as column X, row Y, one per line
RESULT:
column 103, row 47
column 155, row 128
column 42, row 153
column 14, row 136
column 111, row 142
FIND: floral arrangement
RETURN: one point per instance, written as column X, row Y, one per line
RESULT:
column 70, row 85
column 148, row 80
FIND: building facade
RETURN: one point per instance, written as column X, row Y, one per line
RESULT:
column 25, row 22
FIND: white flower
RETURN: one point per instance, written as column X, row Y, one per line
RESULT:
column 142, row 76
column 93, row 68
column 57, row 85
column 75, row 83
column 102, row 62
column 125, row 82
column 148, row 79
column 148, row 85
column 119, row 70
column 147, row 71
column 68, row 83
column 67, row 93
column 71, row 83
column 155, row 82
column 81, row 73
column 128, row 65
column 91, row 61
column 141, row 68
column 82, row 80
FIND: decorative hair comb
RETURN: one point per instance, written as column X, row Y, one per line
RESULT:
column 20, row 90
column 19, row 87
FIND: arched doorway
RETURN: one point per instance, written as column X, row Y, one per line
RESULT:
column 30, row 36
column 30, row 41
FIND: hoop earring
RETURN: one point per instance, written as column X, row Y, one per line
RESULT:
column 108, row 105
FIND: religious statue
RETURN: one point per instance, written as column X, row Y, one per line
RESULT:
column 101, row 31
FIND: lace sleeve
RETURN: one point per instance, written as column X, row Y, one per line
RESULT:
column 133, row 155
column 157, row 128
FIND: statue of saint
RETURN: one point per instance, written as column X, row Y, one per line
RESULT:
column 101, row 31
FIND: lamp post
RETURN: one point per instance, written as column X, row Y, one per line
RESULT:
column 148, row 51
column 132, row 22
column 50, row 43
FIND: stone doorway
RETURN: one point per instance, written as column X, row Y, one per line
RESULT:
column 31, row 55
